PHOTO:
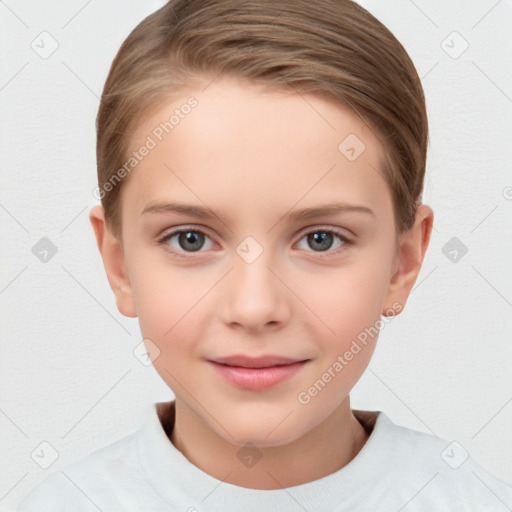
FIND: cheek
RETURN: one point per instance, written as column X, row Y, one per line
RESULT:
column 175, row 307
column 347, row 299
column 164, row 295
column 170, row 313
column 338, row 303
column 349, row 304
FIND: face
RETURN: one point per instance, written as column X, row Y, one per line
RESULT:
column 257, row 266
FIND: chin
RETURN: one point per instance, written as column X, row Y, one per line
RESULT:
column 260, row 440
column 264, row 432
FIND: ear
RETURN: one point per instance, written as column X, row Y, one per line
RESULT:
column 111, row 251
column 412, row 246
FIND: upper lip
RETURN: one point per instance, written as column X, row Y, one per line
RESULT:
column 255, row 362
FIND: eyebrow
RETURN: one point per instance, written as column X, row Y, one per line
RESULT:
column 304, row 213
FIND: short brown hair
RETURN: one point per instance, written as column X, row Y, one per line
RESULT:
column 331, row 48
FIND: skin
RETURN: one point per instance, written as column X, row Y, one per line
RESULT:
column 252, row 156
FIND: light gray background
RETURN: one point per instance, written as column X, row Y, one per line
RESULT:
column 68, row 373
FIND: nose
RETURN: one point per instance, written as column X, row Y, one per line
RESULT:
column 254, row 297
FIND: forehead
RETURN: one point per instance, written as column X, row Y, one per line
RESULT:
column 254, row 147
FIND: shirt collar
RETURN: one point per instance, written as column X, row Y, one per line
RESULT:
column 184, row 486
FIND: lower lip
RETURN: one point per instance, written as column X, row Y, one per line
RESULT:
column 257, row 378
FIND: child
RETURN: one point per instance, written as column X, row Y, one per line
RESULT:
column 286, row 142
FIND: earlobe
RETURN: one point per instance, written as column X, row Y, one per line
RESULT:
column 411, row 251
column 112, row 253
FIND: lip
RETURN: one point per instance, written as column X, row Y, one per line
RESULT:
column 256, row 373
column 265, row 361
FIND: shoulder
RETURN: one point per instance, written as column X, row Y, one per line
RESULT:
column 89, row 482
column 430, row 471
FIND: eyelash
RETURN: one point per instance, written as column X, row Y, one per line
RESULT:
column 322, row 254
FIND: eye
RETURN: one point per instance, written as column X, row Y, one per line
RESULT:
column 321, row 240
column 190, row 240
column 185, row 240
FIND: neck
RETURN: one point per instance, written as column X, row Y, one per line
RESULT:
column 323, row 450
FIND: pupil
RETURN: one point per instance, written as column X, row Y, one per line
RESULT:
column 321, row 237
column 191, row 237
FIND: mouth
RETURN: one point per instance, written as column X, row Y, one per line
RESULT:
column 256, row 373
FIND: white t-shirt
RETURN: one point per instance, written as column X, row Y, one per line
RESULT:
column 397, row 469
